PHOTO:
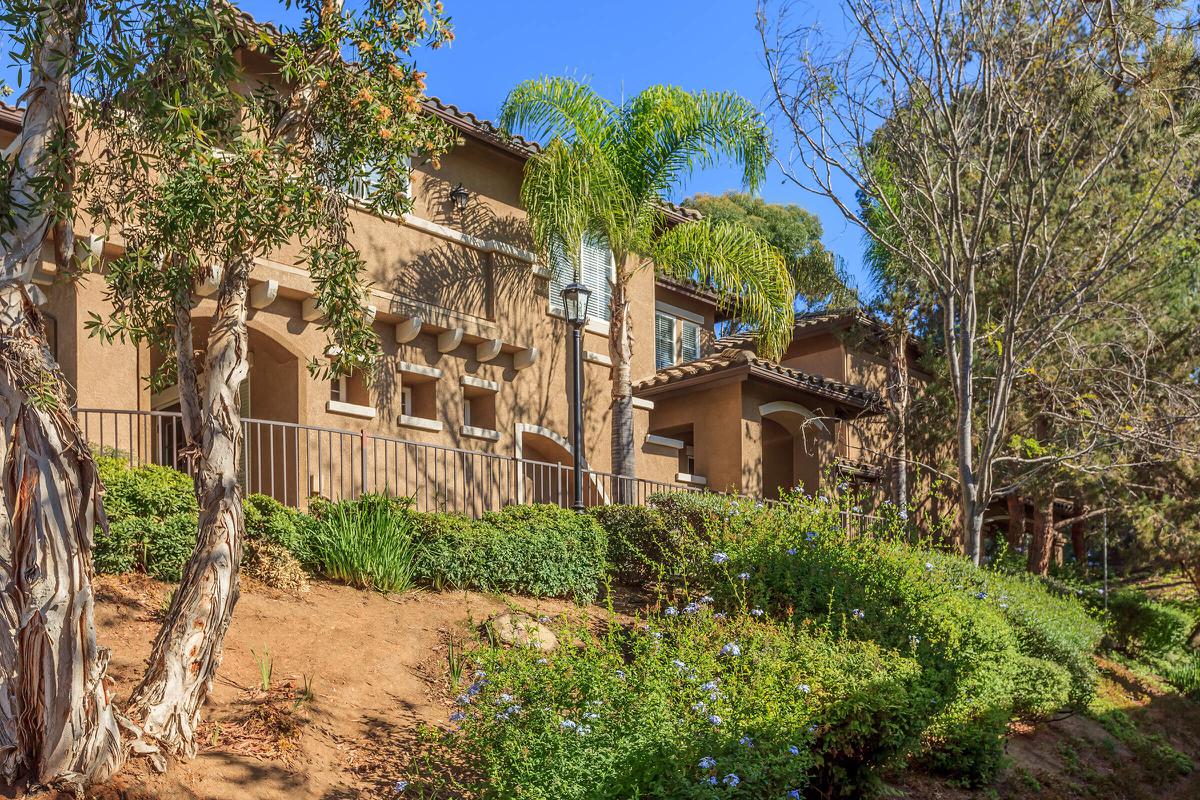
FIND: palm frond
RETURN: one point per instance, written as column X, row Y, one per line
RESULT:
column 570, row 190
column 550, row 108
column 669, row 133
column 749, row 275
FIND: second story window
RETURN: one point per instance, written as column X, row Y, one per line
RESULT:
column 676, row 340
column 596, row 267
column 362, row 187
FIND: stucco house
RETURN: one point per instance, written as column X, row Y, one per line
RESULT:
column 470, row 408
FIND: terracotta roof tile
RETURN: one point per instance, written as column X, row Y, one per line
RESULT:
column 804, row 319
column 482, row 128
column 735, row 357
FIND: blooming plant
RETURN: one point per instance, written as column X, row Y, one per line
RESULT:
column 706, row 705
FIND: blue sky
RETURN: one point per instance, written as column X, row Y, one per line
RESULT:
column 620, row 47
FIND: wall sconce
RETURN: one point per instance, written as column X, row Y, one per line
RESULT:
column 459, row 197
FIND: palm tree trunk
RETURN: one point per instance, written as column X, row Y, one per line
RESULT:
column 187, row 651
column 57, row 722
column 620, row 346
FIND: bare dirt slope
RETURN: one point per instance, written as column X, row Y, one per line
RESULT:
column 376, row 666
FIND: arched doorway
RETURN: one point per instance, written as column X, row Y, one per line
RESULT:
column 546, row 465
column 791, row 436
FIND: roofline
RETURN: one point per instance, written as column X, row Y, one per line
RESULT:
column 742, row 370
column 11, row 117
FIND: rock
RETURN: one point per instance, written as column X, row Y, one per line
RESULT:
column 520, row 630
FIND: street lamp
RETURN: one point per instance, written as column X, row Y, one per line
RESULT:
column 575, row 308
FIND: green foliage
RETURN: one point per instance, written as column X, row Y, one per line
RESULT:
column 365, row 543
column 676, row 705
column 160, row 548
column 790, row 229
column 542, row 550
column 145, row 491
column 606, row 170
column 640, row 545
column 990, row 646
column 276, row 543
column 1142, row 627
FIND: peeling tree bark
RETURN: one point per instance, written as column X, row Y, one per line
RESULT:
column 187, row 651
column 58, row 721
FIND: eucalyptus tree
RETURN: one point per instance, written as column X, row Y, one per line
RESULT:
column 56, row 715
column 202, row 178
column 606, row 170
column 145, row 118
column 1009, row 126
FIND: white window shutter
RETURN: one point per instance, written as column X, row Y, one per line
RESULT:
column 664, row 341
column 596, row 265
column 561, row 273
column 689, row 340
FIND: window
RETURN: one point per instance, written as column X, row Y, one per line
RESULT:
column 596, row 268
column 337, row 389
column 362, row 187
column 406, row 401
column 676, row 340
column 479, row 408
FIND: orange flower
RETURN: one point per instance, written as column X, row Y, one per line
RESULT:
column 385, row 133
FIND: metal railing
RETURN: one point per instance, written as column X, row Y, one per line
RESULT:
column 293, row 462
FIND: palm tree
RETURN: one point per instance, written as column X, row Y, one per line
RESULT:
column 604, row 173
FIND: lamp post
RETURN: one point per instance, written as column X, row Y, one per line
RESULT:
column 575, row 308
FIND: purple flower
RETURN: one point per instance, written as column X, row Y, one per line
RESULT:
column 794, row 794
column 706, row 599
column 756, row 612
column 811, row 536
column 731, row 780
column 568, row 725
column 457, row 716
column 857, row 613
column 711, row 686
column 671, row 611
column 463, row 700
column 691, row 608
column 699, row 708
column 719, row 558
column 746, row 741
column 805, row 688
column 714, row 719
column 708, row 762
column 731, row 649
column 791, row 551
column 743, row 576
column 794, row 750
column 712, row 780
column 400, row 786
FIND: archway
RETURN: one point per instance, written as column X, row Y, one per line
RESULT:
column 271, row 402
column 790, row 436
column 546, row 460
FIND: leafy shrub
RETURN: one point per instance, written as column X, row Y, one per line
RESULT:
column 1141, row 626
column 989, row 647
column 145, row 492
column 365, row 543
column 641, row 547
column 277, row 542
column 160, row 548
column 542, row 550
column 680, row 704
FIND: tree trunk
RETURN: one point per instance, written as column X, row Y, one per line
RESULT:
column 620, row 345
column 1041, row 549
column 187, row 650
column 58, row 723
column 1016, row 522
column 898, row 394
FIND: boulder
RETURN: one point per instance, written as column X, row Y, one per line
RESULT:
column 521, row 630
